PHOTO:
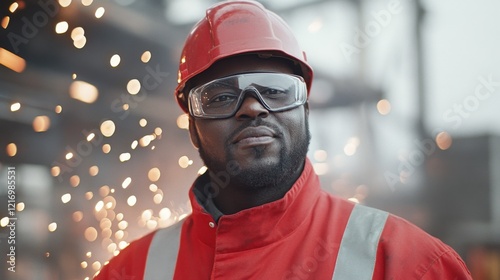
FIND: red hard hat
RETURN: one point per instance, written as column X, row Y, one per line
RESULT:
column 237, row 27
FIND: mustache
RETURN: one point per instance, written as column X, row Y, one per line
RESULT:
column 253, row 123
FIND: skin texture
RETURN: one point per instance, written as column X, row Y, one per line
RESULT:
column 270, row 160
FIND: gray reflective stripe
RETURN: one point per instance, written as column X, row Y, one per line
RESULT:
column 162, row 253
column 358, row 248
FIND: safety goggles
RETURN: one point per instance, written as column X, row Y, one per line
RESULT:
column 221, row 98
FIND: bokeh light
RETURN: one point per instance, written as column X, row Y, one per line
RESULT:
column 108, row 128
column 115, row 60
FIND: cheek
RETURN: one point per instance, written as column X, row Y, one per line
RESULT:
column 295, row 125
column 211, row 134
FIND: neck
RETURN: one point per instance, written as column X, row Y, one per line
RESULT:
column 235, row 197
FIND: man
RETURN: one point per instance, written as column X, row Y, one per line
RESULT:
column 259, row 211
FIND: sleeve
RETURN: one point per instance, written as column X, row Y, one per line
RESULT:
column 448, row 266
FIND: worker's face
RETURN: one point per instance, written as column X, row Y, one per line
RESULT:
column 268, row 147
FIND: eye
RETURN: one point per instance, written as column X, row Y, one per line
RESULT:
column 224, row 97
column 274, row 92
column 219, row 94
column 220, row 99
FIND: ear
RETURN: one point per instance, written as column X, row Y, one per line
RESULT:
column 193, row 134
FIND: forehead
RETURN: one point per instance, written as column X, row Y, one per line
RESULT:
column 243, row 64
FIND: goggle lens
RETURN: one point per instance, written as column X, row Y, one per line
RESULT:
column 221, row 98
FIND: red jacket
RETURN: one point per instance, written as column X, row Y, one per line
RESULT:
column 304, row 235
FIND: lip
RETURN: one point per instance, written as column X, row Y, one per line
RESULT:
column 255, row 136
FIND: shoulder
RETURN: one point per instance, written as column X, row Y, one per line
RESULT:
column 404, row 250
column 403, row 234
column 130, row 263
column 408, row 250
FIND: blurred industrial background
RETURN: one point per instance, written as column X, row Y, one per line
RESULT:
column 404, row 117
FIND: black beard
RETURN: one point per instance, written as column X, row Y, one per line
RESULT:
column 270, row 176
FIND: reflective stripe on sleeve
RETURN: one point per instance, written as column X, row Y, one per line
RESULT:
column 162, row 253
column 358, row 248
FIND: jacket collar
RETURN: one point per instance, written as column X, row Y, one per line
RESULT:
column 257, row 226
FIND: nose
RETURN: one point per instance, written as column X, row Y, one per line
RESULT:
column 251, row 108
